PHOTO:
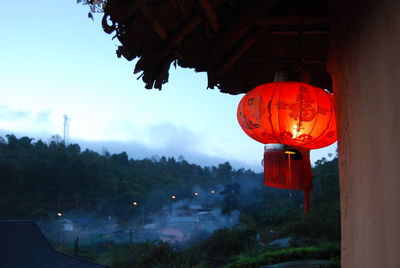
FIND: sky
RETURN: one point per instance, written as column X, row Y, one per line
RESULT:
column 56, row 61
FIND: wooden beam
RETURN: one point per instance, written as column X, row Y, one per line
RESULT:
column 154, row 23
column 241, row 25
column 154, row 75
column 156, row 65
column 186, row 29
column 117, row 9
column 209, row 12
column 178, row 5
column 267, row 59
column 239, row 51
column 276, row 60
column 296, row 32
column 286, row 20
column 251, row 39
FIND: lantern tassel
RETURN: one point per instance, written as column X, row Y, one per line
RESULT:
column 275, row 167
column 288, row 167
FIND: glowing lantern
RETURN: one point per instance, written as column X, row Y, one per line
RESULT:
column 290, row 118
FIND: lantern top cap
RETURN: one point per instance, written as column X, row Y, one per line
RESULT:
column 297, row 75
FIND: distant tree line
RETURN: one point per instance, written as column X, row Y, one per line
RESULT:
column 39, row 179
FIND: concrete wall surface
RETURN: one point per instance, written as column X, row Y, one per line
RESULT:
column 364, row 63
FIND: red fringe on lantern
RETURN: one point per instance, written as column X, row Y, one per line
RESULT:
column 288, row 167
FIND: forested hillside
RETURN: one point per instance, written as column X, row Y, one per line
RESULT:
column 38, row 180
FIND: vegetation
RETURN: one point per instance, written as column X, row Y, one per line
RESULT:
column 207, row 254
column 305, row 253
column 39, row 179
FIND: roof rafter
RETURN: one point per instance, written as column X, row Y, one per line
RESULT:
column 209, row 12
column 154, row 23
column 238, row 27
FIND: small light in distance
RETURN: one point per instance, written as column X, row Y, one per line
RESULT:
column 59, row 214
column 135, row 203
column 173, row 196
column 196, row 193
column 212, row 191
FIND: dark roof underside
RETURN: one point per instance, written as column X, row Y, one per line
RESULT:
column 239, row 43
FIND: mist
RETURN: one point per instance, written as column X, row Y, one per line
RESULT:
column 178, row 221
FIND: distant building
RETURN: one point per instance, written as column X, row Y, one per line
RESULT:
column 23, row 245
column 68, row 225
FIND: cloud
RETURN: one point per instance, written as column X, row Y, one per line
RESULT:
column 43, row 116
column 163, row 139
column 20, row 120
column 9, row 114
column 166, row 139
column 137, row 150
column 177, row 140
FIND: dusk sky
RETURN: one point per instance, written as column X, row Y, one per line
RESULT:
column 56, row 61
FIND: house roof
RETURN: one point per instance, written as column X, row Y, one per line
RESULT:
column 22, row 245
column 239, row 43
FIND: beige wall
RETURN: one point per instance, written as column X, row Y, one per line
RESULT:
column 365, row 67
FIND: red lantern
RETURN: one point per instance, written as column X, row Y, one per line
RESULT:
column 290, row 118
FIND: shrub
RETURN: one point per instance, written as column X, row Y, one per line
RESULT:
column 268, row 258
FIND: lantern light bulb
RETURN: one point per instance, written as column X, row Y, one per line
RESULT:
column 295, row 130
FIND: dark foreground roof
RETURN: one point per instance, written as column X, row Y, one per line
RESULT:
column 22, row 245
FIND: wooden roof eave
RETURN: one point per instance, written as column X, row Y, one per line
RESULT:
column 227, row 43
